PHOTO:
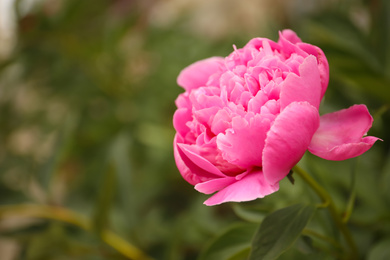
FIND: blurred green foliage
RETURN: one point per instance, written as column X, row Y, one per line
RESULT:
column 86, row 106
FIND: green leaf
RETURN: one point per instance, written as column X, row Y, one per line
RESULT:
column 279, row 230
column 235, row 242
column 250, row 213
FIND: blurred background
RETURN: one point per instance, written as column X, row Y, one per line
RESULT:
column 87, row 91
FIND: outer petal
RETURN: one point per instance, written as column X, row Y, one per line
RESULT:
column 290, row 35
column 340, row 135
column 251, row 187
column 192, row 167
column 288, row 139
column 180, row 118
column 288, row 40
column 306, row 87
column 191, row 154
column 181, row 166
column 182, row 114
column 323, row 65
column 214, row 185
column 197, row 74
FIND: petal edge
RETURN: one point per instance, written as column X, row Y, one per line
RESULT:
column 341, row 134
column 288, row 139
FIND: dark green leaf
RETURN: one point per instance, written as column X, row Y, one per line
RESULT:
column 250, row 213
column 231, row 244
column 279, row 230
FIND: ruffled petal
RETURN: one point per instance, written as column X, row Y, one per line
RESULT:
column 197, row 74
column 243, row 144
column 340, row 135
column 251, row 187
column 305, row 87
column 288, row 139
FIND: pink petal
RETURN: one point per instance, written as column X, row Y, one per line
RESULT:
column 291, row 36
column 197, row 74
column 255, row 104
column 181, row 116
column 251, row 187
column 242, row 145
column 258, row 43
column 288, row 40
column 190, row 152
column 306, row 87
column 214, row 185
column 221, row 121
column 181, row 166
column 292, row 43
column 288, row 139
column 323, row 65
column 192, row 172
column 340, row 135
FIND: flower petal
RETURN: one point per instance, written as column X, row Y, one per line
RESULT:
column 214, row 185
column 192, row 167
column 323, row 65
column 243, row 144
column 197, row 74
column 288, row 40
column 290, row 36
column 288, row 139
column 340, row 135
column 199, row 161
column 306, row 87
column 251, row 187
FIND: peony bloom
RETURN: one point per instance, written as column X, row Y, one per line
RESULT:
column 245, row 120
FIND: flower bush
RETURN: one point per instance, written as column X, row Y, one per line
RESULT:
column 245, row 120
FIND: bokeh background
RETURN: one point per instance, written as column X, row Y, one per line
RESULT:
column 87, row 91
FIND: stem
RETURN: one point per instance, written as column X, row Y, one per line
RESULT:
column 349, row 208
column 327, row 200
column 352, row 195
column 71, row 217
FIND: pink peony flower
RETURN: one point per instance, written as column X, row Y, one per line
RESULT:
column 245, row 120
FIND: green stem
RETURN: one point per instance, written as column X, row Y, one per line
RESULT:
column 71, row 217
column 352, row 195
column 327, row 200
